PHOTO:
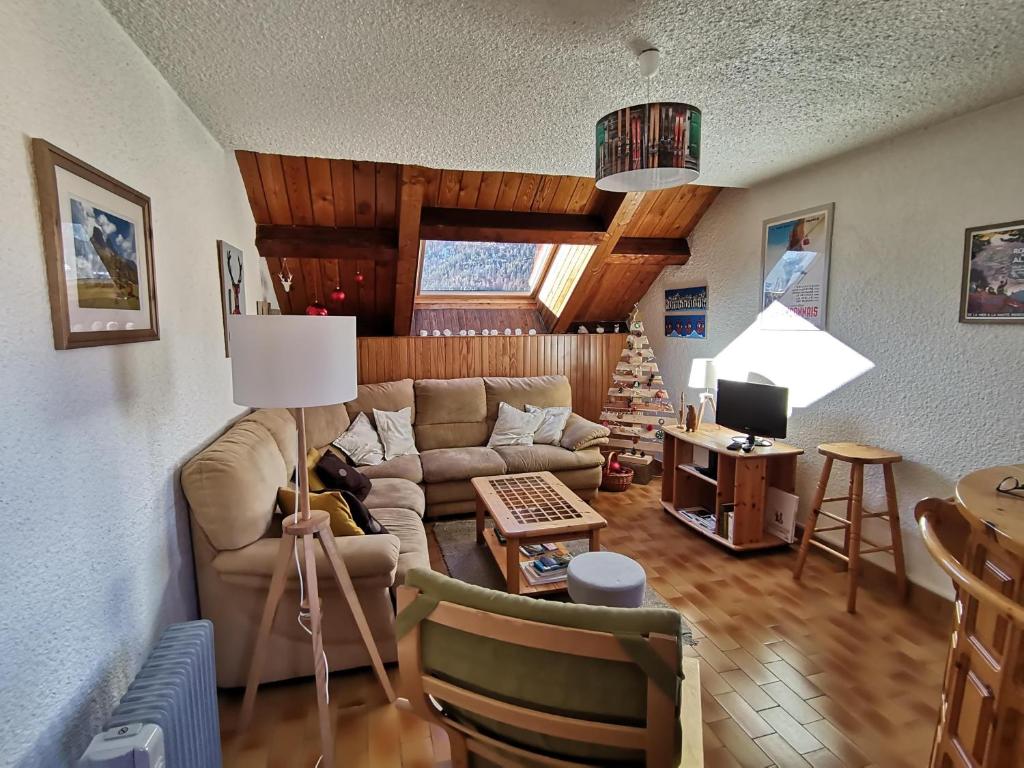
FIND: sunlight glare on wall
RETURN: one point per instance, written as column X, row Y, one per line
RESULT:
column 790, row 352
column 566, row 267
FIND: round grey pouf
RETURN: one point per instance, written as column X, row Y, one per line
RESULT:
column 606, row 578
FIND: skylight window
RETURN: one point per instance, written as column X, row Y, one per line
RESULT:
column 453, row 266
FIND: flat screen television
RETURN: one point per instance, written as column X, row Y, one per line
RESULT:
column 756, row 410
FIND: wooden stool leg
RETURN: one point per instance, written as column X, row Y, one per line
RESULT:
column 812, row 519
column 277, row 583
column 856, row 517
column 319, row 663
column 849, row 509
column 894, row 529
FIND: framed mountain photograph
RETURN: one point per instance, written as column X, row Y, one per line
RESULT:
column 992, row 289
column 98, row 245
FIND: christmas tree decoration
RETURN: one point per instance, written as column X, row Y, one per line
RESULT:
column 359, row 277
column 317, row 309
column 637, row 405
column 337, row 294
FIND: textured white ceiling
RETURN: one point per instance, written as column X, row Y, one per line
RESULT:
column 518, row 85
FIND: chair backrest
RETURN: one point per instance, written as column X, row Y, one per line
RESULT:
column 533, row 682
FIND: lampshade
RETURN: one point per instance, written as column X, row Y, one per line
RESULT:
column 648, row 146
column 292, row 361
column 702, row 373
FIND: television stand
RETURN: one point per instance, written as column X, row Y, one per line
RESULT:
column 739, row 486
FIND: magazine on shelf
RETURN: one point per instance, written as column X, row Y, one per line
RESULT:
column 536, row 579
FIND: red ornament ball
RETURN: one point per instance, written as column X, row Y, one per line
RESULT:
column 337, row 294
column 359, row 277
column 615, row 466
column 650, row 427
column 316, row 309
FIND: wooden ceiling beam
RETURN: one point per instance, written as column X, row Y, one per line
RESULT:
column 653, row 246
column 351, row 237
column 511, row 226
column 619, row 217
column 410, row 210
column 647, row 260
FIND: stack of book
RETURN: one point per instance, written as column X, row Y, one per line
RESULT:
column 547, row 564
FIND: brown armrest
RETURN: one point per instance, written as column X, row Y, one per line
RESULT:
column 364, row 556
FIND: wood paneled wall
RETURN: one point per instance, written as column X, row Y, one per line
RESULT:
column 588, row 360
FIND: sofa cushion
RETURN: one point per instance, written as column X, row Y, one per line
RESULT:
column 337, row 474
column 280, row 424
column 325, row 423
column 386, row 396
column 361, row 444
column 364, row 556
column 405, row 467
column 514, row 427
column 395, row 430
column 542, row 391
column 551, row 458
column 231, row 486
column 446, row 464
column 450, row 413
column 408, row 527
column 331, row 502
column 395, row 492
column 580, row 433
column 453, row 490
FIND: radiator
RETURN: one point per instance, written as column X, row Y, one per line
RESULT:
column 176, row 690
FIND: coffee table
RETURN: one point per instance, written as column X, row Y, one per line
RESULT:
column 531, row 508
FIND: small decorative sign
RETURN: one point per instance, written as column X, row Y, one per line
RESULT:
column 686, row 311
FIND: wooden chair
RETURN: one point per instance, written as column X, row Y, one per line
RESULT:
column 857, row 456
column 981, row 718
column 520, row 682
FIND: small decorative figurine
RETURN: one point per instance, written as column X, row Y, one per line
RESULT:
column 691, row 419
column 599, row 329
column 682, row 409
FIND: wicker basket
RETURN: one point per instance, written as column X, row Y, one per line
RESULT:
column 615, row 481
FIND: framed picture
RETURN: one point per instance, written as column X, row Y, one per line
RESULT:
column 232, row 286
column 686, row 313
column 992, row 289
column 98, row 245
column 795, row 253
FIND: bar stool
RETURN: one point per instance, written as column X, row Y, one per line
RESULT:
column 857, row 456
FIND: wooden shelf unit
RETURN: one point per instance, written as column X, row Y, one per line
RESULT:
column 743, row 481
column 499, row 552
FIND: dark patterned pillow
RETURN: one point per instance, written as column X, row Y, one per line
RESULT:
column 362, row 516
column 338, row 475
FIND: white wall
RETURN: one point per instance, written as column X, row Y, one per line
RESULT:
column 95, row 553
column 948, row 396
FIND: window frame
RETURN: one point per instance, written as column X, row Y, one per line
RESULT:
column 488, row 297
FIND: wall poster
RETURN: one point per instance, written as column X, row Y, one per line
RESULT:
column 686, row 311
column 993, row 279
column 795, row 253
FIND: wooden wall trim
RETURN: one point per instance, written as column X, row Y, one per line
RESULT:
column 588, row 360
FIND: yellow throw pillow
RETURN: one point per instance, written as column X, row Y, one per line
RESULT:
column 312, row 457
column 331, row 502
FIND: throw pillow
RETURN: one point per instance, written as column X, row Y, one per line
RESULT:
column 580, row 433
column 312, row 458
column 514, row 427
column 336, row 474
column 360, row 442
column 331, row 502
column 395, row 429
column 362, row 516
column 552, row 425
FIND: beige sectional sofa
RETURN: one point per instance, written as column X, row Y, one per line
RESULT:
column 231, row 487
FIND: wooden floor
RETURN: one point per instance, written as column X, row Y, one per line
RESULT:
column 789, row 678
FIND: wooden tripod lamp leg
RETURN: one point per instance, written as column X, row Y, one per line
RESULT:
column 348, row 591
column 277, row 583
column 319, row 663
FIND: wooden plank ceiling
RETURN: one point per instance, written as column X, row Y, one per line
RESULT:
column 358, row 225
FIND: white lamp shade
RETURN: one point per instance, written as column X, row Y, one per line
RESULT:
column 292, row 361
column 702, row 373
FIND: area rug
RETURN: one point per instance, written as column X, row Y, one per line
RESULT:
column 467, row 561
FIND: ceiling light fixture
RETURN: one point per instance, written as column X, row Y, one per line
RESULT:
column 648, row 146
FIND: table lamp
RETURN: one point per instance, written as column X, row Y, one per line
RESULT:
column 703, row 376
column 298, row 362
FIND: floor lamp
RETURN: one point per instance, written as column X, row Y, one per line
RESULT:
column 299, row 362
column 703, row 376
